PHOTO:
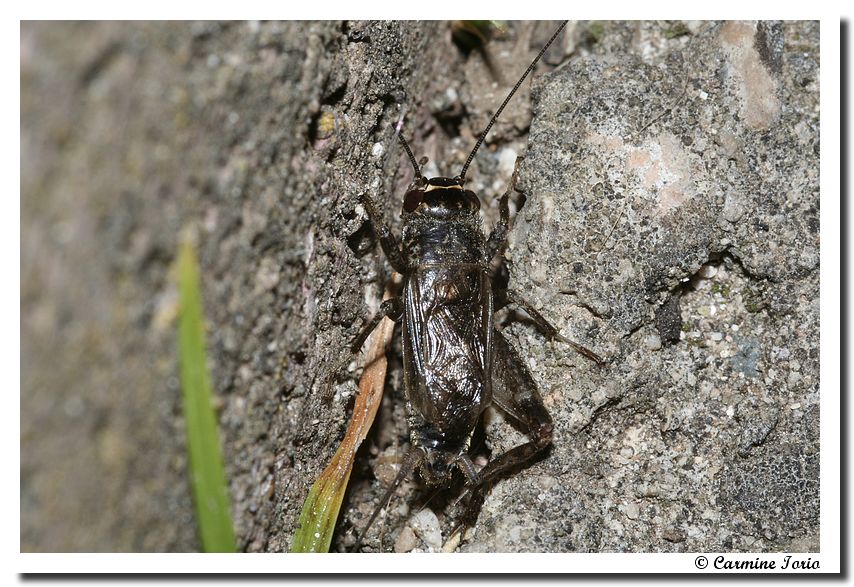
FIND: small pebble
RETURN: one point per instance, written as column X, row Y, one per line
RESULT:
column 708, row 271
column 453, row 542
column 406, row 540
column 673, row 535
column 426, row 527
column 653, row 342
column 378, row 150
column 632, row 511
column 507, row 161
column 733, row 211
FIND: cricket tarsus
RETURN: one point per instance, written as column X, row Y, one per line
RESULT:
column 388, row 242
column 498, row 237
column 455, row 362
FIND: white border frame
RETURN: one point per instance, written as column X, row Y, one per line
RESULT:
column 829, row 558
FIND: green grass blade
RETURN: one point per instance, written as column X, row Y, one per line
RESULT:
column 206, row 470
column 320, row 512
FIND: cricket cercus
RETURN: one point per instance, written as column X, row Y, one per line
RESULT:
column 455, row 362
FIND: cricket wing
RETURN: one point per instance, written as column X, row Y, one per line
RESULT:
column 447, row 337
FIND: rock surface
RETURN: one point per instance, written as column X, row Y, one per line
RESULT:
column 673, row 193
column 671, row 225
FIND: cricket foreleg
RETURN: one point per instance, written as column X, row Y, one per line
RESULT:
column 498, row 237
column 391, row 308
column 388, row 242
column 516, row 393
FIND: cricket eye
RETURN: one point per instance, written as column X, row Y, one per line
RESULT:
column 412, row 200
column 473, row 200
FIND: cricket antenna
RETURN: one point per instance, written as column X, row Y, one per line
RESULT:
column 462, row 176
column 412, row 459
column 418, row 177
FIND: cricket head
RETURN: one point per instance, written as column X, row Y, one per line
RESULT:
column 440, row 197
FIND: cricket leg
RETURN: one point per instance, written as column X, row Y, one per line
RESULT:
column 515, row 392
column 497, row 240
column 389, row 242
column 506, row 297
column 391, row 308
column 414, row 456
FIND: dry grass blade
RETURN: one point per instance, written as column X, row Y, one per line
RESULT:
column 321, row 507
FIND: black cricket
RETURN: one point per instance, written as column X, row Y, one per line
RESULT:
column 455, row 362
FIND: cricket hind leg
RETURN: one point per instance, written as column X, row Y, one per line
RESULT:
column 495, row 245
column 506, row 297
column 515, row 392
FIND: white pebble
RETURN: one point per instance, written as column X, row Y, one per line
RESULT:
column 632, row 511
column 507, row 161
column 708, row 271
column 426, row 527
column 653, row 342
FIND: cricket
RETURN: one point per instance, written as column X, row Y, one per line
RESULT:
column 456, row 363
